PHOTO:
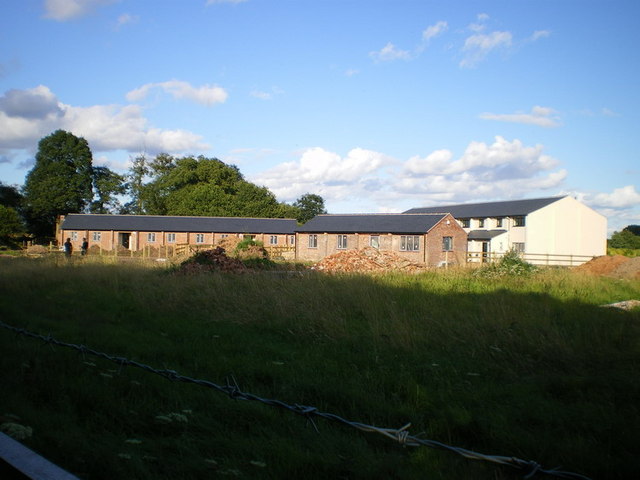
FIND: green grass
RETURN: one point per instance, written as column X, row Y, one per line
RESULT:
column 526, row 367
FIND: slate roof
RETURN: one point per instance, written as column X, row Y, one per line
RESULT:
column 154, row 223
column 374, row 223
column 509, row 208
column 484, row 234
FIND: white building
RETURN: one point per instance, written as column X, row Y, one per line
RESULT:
column 553, row 231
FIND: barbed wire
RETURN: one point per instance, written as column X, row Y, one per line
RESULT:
column 401, row 435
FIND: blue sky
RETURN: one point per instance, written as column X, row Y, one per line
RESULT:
column 377, row 105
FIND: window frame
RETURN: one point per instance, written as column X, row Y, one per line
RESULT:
column 342, row 241
column 96, row 236
column 313, row 240
column 447, row 243
column 171, row 237
column 273, row 240
column 409, row 243
column 374, row 241
column 466, row 222
column 519, row 221
column 200, row 238
column 151, row 237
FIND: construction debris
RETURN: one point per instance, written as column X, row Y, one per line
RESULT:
column 616, row 266
column 215, row 260
column 368, row 259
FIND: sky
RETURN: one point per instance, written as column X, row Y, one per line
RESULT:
column 376, row 105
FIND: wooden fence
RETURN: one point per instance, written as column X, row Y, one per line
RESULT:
column 548, row 259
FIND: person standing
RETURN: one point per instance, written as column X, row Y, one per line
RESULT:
column 68, row 248
column 84, row 247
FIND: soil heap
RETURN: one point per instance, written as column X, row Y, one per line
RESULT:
column 616, row 266
column 368, row 259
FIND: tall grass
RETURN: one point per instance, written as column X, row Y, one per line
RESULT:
column 530, row 367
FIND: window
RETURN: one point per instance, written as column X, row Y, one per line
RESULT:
column 292, row 239
column 466, row 222
column 313, row 241
column 171, row 238
column 410, row 243
column 273, row 240
column 498, row 222
column 224, row 235
column 481, row 223
column 342, row 241
column 97, row 236
column 374, row 241
column 74, row 236
column 199, row 237
column 447, row 244
column 518, row 247
column 518, row 221
column 151, row 237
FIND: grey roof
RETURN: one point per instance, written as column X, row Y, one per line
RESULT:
column 509, row 208
column 154, row 223
column 484, row 234
column 374, row 223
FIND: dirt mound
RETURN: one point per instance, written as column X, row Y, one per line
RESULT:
column 617, row 266
column 215, row 260
column 366, row 260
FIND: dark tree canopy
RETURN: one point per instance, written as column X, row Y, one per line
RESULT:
column 63, row 180
column 198, row 186
column 626, row 238
column 309, row 205
column 60, row 182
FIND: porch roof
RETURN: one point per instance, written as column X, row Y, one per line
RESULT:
column 484, row 234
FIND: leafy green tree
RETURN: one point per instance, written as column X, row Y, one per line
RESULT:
column 135, row 186
column 10, row 224
column 60, row 182
column 200, row 186
column 625, row 238
column 309, row 205
column 106, row 184
column 10, row 196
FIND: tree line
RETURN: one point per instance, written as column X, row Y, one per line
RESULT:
column 64, row 180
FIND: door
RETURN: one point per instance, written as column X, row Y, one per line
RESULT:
column 123, row 239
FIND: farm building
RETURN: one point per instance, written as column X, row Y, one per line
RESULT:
column 554, row 230
column 432, row 239
column 135, row 232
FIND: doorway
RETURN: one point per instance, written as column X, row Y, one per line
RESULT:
column 123, row 239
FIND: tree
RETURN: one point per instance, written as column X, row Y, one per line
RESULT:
column 60, row 182
column 309, row 205
column 11, row 223
column 106, row 184
column 625, row 238
column 199, row 186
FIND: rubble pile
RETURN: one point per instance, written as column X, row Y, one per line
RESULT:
column 366, row 260
column 215, row 260
column 617, row 266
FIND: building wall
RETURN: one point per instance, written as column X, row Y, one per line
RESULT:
column 430, row 245
column 566, row 227
column 140, row 240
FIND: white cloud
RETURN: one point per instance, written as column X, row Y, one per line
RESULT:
column 540, row 116
column 373, row 181
column 478, row 46
column 62, row 10
column 204, row 95
column 125, row 19
column 389, row 53
column 624, row 197
column 434, row 30
column 319, row 170
column 266, row 95
column 539, row 34
column 106, row 127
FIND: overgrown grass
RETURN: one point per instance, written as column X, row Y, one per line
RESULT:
column 525, row 366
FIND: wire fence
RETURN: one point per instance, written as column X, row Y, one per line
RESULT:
column 527, row 468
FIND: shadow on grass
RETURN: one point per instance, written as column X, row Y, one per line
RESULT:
column 530, row 368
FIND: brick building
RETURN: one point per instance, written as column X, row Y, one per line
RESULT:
column 432, row 239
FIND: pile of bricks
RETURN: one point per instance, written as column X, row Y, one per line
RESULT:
column 366, row 260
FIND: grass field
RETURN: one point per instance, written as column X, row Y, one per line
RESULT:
column 530, row 367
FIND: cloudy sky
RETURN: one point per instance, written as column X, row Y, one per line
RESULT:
column 377, row 105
